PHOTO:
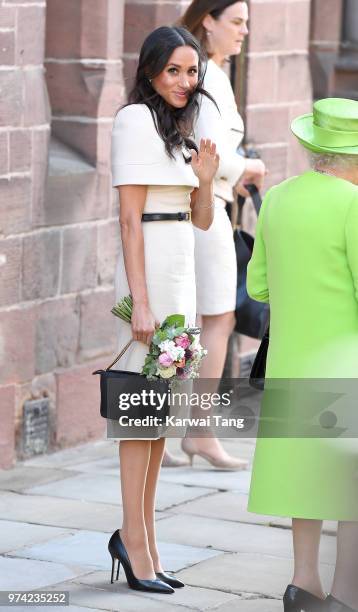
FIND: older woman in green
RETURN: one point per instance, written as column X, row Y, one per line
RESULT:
column 305, row 264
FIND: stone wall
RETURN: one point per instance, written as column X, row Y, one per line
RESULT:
column 58, row 217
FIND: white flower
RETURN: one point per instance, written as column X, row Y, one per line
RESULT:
column 176, row 352
column 166, row 372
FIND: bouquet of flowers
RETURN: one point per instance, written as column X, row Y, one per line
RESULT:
column 175, row 352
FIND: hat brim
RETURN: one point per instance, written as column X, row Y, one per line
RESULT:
column 302, row 128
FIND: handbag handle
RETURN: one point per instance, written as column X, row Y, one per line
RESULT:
column 256, row 199
column 120, row 355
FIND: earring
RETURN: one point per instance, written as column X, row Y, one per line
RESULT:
column 150, row 80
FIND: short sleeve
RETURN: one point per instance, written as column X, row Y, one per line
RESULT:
column 132, row 160
column 351, row 233
column 138, row 155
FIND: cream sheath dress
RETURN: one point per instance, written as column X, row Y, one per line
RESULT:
column 139, row 158
column 215, row 259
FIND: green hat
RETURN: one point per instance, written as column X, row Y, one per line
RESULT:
column 331, row 128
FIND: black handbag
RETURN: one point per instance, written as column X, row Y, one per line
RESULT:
column 119, row 388
column 258, row 370
column 251, row 316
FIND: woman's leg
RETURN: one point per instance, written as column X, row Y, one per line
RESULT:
column 215, row 333
column 345, row 583
column 134, row 461
column 306, row 541
column 156, row 454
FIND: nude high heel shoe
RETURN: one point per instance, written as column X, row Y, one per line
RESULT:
column 231, row 463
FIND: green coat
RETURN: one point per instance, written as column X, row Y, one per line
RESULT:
column 305, row 264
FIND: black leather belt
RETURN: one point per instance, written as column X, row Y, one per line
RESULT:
column 180, row 216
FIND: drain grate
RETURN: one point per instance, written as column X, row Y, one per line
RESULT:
column 36, row 426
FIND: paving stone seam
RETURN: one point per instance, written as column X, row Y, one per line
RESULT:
column 200, row 497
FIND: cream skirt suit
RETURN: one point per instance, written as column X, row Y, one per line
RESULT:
column 215, row 259
column 139, row 158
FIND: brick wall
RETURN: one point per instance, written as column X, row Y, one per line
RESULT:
column 278, row 82
column 58, row 216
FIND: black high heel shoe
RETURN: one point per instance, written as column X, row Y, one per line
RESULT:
column 117, row 551
column 333, row 605
column 171, row 580
column 298, row 600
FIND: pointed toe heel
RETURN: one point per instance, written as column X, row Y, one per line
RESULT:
column 171, row 580
column 118, row 552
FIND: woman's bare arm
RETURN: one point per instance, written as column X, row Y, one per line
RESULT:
column 132, row 201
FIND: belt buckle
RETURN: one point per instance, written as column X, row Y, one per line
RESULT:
column 189, row 213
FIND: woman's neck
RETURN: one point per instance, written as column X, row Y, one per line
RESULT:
column 218, row 59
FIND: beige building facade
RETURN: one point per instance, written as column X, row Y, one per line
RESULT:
column 65, row 67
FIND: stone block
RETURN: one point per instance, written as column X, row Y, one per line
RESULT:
column 79, row 259
column 275, row 158
column 28, row 574
column 267, row 124
column 298, row 160
column 11, row 97
column 78, row 400
column 20, row 150
column 261, row 80
column 129, row 70
column 270, row 38
column 29, row 48
column 7, row 429
column 40, row 147
column 94, row 41
column 7, row 48
column 15, row 210
column 82, row 137
column 294, row 78
column 41, row 265
column 15, row 534
column 37, row 107
column 10, row 270
column 7, row 17
column 17, row 345
column 140, row 19
column 298, row 25
column 4, row 153
column 63, row 26
column 98, row 324
column 327, row 21
column 108, row 249
column 57, row 331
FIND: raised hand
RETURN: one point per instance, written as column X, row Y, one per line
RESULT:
column 206, row 162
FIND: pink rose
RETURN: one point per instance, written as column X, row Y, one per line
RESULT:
column 165, row 360
column 182, row 341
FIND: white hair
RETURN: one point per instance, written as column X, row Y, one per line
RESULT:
column 333, row 160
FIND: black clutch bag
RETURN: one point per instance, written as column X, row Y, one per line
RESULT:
column 258, row 370
column 251, row 316
column 131, row 394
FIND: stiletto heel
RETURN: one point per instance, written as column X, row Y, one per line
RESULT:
column 299, row 600
column 117, row 551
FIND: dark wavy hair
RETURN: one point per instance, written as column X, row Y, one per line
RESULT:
column 174, row 125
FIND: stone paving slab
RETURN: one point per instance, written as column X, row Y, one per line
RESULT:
column 88, row 549
column 252, row 605
column 208, row 477
column 75, row 455
column 247, row 573
column 23, row 477
column 28, row 574
column 106, row 489
column 196, row 598
column 58, row 609
column 15, row 535
column 229, row 506
column 77, row 514
column 236, row 537
column 119, row 599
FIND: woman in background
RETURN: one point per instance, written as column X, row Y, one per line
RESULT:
column 221, row 27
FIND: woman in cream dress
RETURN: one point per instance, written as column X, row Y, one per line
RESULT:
column 220, row 26
column 157, row 170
